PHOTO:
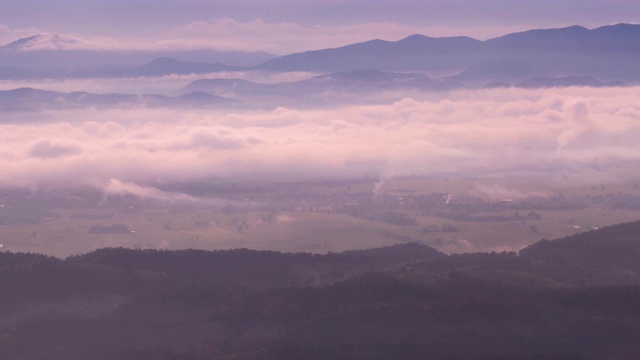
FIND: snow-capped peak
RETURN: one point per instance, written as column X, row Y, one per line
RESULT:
column 44, row 42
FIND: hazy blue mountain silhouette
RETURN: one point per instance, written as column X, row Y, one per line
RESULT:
column 33, row 99
column 500, row 70
column 543, row 39
column 564, row 81
column 358, row 81
column 167, row 66
column 404, row 54
column 159, row 67
column 231, row 86
column 50, row 41
column 362, row 80
column 620, row 37
column 56, row 51
column 370, row 75
column 609, row 52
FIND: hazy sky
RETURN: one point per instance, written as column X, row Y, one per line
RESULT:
column 283, row 26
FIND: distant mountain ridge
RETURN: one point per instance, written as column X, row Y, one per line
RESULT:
column 609, row 51
column 355, row 85
column 497, row 71
column 376, row 54
column 42, row 42
column 36, row 99
column 58, row 51
column 159, row 67
column 565, row 81
column 619, row 37
column 167, row 66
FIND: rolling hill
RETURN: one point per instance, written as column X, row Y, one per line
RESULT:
column 572, row 298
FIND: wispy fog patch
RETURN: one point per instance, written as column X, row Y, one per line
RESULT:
column 121, row 188
column 139, row 86
column 163, row 85
column 578, row 123
column 285, row 218
column 213, row 141
column 466, row 132
column 499, row 192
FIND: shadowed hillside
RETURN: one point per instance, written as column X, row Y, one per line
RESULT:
column 572, row 298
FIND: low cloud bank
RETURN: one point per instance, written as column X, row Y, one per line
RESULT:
column 117, row 188
column 468, row 133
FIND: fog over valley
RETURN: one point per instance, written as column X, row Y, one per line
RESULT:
column 465, row 132
column 420, row 133
column 353, row 179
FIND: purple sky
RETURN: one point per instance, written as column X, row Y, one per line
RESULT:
column 342, row 21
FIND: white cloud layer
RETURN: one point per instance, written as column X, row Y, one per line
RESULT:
column 466, row 132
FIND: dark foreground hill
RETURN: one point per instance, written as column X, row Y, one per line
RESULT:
column 573, row 298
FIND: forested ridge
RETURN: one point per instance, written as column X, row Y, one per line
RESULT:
column 571, row 298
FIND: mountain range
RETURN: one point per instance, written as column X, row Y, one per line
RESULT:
column 48, row 53
column 357, row 86
column 29, row 99
column 159, row 67
column 610, row 52
column 571, row 56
